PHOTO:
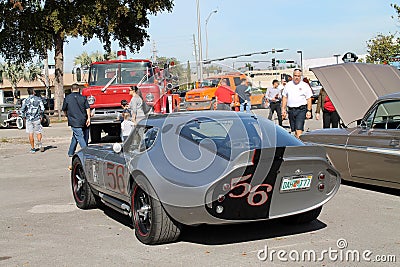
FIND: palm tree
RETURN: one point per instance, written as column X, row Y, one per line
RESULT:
column 14, row 73
column 83, row 59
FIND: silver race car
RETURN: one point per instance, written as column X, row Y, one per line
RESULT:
column 211, row 167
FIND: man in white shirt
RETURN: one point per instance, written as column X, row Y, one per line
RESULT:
column 297, row 98
column 274, row 96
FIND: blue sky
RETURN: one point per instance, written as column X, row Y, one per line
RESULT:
column 318, row 28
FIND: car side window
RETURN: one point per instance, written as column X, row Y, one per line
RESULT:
column 141, row 139
column 387, row 116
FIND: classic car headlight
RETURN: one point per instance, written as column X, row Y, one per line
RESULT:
column 150, row 97
column 91, row 99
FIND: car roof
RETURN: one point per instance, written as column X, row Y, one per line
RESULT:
column 390, row 96
column 354, row 87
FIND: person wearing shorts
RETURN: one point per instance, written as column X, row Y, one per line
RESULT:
column 296, row 96
column 33, row 110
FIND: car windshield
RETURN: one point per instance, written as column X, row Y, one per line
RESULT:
column 315, row 83
column 120, row 73
column 227, row 137
column 210, row 82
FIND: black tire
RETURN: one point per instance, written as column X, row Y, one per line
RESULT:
column 45, row 121
column 152, row 224
column 305, row 217
column 81, row 190
column 95, row 133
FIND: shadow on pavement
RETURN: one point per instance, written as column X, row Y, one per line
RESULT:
column 230, row 233
column 380, row 189
column 237, row 233
column 49, row 148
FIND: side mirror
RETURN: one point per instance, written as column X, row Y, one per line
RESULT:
column 117, row 148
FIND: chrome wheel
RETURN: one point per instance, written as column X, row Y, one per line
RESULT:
column 142, row 211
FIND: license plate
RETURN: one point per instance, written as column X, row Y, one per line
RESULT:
column 296, row 183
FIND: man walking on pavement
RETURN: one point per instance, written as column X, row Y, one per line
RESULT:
column 76, row 108
column 33, row 109
column 297, row 98
column 274, row 96
column 244, row 95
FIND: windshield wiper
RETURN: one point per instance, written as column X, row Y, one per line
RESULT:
column 109, row 83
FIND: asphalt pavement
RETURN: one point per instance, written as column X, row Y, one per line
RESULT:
column 41, row 226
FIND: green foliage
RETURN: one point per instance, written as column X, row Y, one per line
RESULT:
column 29, row 28
column 85, row 59
column 382, row 47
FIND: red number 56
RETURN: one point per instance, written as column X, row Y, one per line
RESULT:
column 251, row 191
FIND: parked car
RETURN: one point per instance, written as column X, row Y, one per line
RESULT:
column 209, row 167
column 316, row 88
column 370, row 151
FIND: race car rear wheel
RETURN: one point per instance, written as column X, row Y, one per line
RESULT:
column 152, row 224
column 81, row 190
column 305, row 217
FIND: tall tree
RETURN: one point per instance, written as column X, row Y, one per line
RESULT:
column 382, row 47
column 31, row 27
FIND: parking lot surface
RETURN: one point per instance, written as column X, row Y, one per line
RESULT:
column 41, row 226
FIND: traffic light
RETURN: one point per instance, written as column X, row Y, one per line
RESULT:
column 273, row 62
column 283, row 61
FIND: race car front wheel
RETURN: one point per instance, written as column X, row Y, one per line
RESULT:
column 152, row 224
column 81, row 190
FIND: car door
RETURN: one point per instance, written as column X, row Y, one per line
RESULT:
column 374, row 150
column 115, row 173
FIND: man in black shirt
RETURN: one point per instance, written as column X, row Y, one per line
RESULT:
column 243, row 91
column 77, row 110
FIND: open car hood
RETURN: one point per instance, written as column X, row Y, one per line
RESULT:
column 354, row 87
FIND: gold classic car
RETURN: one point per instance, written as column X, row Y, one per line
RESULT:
column 367, row 96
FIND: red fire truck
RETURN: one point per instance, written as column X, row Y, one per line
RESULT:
column 109, row 82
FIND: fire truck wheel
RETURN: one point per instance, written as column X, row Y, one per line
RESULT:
column 95, row 134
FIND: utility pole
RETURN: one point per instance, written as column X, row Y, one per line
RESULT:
column 154, row 51
column 195, row 55
column 199, row 40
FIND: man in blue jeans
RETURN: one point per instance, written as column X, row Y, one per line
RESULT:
column 76, row 108
column 243, row 91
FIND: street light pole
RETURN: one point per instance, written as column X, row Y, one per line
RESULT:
column 301, row 59
column 199, row 40
column 337, row 58
column 212, row 12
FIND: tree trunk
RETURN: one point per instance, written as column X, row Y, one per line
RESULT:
column 59, row 74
